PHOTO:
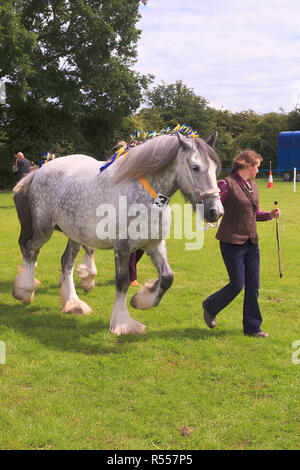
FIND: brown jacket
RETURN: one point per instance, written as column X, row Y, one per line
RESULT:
column 239, row 219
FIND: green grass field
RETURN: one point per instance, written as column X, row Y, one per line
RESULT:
column 70, row 384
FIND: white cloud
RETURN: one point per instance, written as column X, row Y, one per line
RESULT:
column 238, row 54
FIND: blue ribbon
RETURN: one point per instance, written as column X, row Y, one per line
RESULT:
column 109, row 163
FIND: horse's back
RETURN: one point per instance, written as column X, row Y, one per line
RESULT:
column 71, row 163
column 69, row 170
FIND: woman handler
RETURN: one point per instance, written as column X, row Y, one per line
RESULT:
column 239, row 243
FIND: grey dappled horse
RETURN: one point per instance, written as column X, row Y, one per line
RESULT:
column 76, row 190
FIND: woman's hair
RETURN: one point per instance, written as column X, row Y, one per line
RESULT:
column 245, row 158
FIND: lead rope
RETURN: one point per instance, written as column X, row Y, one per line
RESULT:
column 208, row 224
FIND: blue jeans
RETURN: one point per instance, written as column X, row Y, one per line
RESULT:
column 242, row 264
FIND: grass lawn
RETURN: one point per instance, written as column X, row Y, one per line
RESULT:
column 70, row 384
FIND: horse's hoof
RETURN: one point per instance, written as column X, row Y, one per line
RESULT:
column 144, row 301
column 87, row 276
column 131, row 327
column 88, row 284
column 77, row 308
column 25, row 296
column 24, row 287
column 76, row 311
column 147, row 297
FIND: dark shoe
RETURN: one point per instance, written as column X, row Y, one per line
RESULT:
column 209, row 320
column 259, row 334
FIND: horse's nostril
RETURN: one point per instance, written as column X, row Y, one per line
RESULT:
column 213, row 214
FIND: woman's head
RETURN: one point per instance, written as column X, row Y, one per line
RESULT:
column 245, row 159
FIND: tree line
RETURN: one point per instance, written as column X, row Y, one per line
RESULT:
column 71, row 87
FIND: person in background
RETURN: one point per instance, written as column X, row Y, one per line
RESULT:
column 134, row 258
column 136, row 255
column 239, row 243
column 22, row 166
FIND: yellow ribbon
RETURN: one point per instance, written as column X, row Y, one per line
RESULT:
column 148, row 188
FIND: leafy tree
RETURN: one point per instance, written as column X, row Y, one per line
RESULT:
column 178, row 104
column 150, row 119
column 293, row 120
column 248, row 129
column 268, row 128
column 68, row 68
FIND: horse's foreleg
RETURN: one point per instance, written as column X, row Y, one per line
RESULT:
column 87, row 270
column 121, row 322
column 70, row 301
column 151, row 293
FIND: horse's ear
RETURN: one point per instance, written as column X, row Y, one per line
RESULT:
column 212, row 139
column 184, row 142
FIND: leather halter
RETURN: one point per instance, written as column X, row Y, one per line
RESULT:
column 201, row 195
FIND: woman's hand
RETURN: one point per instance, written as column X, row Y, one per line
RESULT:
column 275, row 213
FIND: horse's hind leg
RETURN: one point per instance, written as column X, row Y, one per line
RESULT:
column 121, row 322
column 71, row 302
column 87, row 270
column 25, row 218
column 151, row 293
column 25, row 283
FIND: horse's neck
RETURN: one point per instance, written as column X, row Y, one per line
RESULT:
column 164, row 182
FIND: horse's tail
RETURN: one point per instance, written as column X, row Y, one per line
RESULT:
column 22, row 204
column 24, row 185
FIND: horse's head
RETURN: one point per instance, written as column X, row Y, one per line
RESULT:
column 196, row 175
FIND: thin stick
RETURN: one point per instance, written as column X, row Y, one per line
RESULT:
column 278, row 244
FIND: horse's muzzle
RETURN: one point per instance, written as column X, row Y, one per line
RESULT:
column 213, row 215
column 214, row 212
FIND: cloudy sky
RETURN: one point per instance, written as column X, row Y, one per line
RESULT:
column 238, row 54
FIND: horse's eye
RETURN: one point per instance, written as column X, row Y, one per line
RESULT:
column 195, row 168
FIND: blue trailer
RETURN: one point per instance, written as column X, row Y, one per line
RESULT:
column 288, row 156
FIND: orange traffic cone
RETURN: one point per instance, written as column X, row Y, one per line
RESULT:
column 270, row 183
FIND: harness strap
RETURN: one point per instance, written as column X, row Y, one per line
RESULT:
column 148, row 188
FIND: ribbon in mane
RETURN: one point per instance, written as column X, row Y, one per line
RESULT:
column 184, row 129
column 47, row 158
